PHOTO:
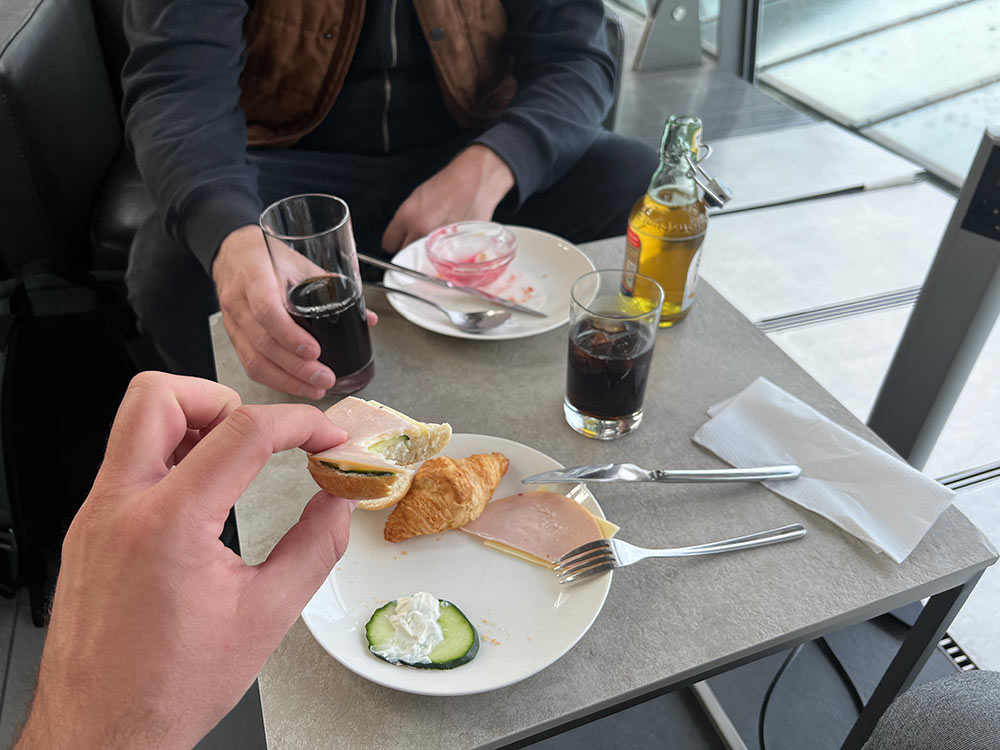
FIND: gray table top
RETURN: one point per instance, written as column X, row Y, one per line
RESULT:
column 714, row 610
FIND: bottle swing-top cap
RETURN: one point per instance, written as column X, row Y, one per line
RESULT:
column 682, row 143
column 717, row 194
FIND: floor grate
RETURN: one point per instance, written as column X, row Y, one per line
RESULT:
column 962, row 661
column 963, row 480
column 959, row 481
column 838, row 310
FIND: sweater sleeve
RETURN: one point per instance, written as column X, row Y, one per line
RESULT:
column 565, row 78
column 183, row 120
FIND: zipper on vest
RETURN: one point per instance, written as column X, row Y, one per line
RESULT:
column 387, row 84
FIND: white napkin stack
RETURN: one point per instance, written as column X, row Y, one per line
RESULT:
column 878, row 498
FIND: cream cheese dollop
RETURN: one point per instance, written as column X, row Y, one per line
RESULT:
column 415, row 629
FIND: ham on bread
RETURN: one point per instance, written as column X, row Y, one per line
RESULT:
column 538, row 526
column 374, row 465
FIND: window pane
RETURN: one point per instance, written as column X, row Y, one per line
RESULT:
column 919, row 76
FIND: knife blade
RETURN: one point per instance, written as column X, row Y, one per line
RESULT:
column 625, row 472
column 492, row 298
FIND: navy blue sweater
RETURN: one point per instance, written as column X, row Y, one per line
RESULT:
column 184, row 124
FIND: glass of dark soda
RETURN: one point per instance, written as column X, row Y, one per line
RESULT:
column 312, row 248
column 612, row 330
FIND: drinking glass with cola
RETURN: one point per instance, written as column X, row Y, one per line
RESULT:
column 613, row 323
column 311, row 243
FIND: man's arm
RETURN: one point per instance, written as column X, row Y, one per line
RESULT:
column 566, row 80
column 183, row 120
column 184, row 123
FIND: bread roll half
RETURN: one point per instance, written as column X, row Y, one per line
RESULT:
column 374, row 465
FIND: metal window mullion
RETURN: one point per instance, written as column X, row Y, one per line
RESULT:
column 738, row 28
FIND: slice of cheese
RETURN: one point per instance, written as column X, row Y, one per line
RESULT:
column 517, row 553
column 608, row 529
column 361, row 462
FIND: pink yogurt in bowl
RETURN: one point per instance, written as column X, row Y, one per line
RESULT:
column 471, row 253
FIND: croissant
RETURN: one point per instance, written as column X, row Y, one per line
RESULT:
column 446, row 494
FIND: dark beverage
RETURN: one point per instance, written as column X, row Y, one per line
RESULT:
column 333, row 311
column 608, row 367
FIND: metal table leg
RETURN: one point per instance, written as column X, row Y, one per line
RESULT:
column 724, row 727
column 917, row 647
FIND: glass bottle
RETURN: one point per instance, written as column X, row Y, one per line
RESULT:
column 667, row 225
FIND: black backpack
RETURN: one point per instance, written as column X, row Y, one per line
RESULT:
column 68, row 349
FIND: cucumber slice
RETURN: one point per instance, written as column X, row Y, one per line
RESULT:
column 461, row 641
column 398, row 443
column 379, row 630
column 460, row 644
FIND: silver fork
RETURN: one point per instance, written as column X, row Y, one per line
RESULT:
column 607, row 554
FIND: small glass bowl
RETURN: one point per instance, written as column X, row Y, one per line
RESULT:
column 471, row 253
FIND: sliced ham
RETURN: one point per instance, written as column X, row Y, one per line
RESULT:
column 544, row 524
column 364, row 426
column 376, row 463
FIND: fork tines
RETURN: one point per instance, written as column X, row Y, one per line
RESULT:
column 586, row 560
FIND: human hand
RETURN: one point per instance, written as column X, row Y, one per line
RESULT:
column 157, row 628
column 469, row 188
column 273, row 348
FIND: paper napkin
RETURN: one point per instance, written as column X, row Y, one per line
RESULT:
column 867, row 492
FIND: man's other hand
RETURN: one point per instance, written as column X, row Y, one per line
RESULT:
column 469, row 188
column 157, row 628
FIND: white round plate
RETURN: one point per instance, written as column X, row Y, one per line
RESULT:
column 539, row 277
column 525, row 619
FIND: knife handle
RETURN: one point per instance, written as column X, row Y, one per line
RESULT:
column 755, row 474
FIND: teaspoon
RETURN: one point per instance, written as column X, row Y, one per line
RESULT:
column 472, row 322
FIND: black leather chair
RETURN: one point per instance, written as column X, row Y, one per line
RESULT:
column 69, row 188
column 123, row 202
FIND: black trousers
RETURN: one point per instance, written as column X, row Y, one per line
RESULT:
column 173, row 295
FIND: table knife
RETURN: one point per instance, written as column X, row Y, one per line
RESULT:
column 494, row 299
column 633, row 473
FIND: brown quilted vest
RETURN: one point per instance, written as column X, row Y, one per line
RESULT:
column 298, row 53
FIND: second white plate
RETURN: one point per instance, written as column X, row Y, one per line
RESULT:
column 539, row 277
